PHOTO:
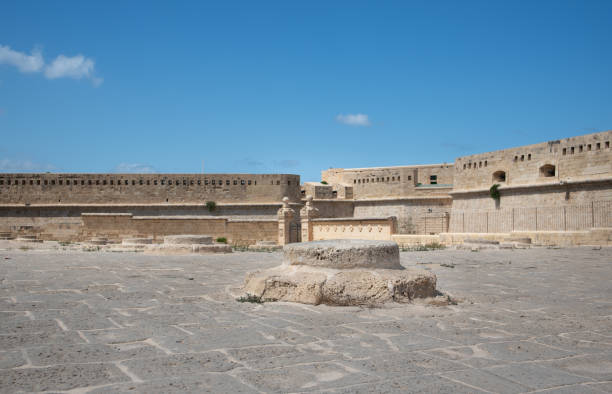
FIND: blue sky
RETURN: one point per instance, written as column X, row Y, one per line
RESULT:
column 294, row 87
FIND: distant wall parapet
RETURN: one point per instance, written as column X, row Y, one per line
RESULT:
column 50, row 188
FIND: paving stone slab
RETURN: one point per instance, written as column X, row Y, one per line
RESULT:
column 88, row 353
column 200, row 383
column 486, row 381
column 596, row 366
column 303, row 378
column 536, row 376
column 180, row 365
column 412, row 385
column 60, row 377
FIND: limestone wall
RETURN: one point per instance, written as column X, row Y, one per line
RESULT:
column 146, row 188
column 63, row 221
column 414, row 215
column 353, row 228
column 390, row 182
column 571, row 217
column 237, row 231
column 570, row 159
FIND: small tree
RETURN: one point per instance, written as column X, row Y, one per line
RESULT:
column 494, row 191
column 324, row 182
column 211, row 205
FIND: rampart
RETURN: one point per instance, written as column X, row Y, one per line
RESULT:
column 146, row 188
column 582, row 158
column 390, row 182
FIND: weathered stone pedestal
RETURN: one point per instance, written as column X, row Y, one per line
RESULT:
column 341, row 272
column 185, row 244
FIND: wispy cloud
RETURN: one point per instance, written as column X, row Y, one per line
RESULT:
column 134, row 168
column 7, row 165
column 288, row 163
column 76, row 67
column 24, row 62
column 354, row 119
column 249, row 163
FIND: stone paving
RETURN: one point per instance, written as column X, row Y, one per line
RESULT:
column 537, row 320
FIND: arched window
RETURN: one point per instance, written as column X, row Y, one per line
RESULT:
column 547, row 171
column 499, row 176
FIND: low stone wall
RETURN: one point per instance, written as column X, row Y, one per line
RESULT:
column 408, row 240
column 237, row 231
column 577, row 217
column 354, row 228
column 595, row 236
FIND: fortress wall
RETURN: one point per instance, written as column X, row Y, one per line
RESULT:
column 414, row 216
column 379, row 182
column 146, row 188
column 118, row 226
column 63, row 222
column 334, row 208
column 576, row 158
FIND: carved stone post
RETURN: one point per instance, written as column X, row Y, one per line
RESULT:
column 307, row 214
column 285, row 215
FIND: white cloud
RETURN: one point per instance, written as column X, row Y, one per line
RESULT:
column 7, row 165
column 134, row 168
column 354, row 119
column 24, row 62
column 76, row 67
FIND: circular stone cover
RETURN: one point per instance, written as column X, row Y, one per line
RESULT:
column 343, row 253
column 188, row 239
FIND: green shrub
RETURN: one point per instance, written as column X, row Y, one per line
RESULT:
column 222, row 240
column 323, row 182
column 250, row 298
column 494, row 191
column 211, row 205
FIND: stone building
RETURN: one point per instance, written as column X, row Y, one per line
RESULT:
column 552, row 192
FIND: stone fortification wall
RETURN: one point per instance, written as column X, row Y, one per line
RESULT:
column 556, row 186
column 586, row 157
column 146, row 188
column 236, row 231
column 390, row 182
column 63, row 221
column 414, row 215
column 571, row 217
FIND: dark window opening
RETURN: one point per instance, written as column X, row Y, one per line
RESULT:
column 499, row 176
column 433, row 179
column 564, row 151
column 547, row 170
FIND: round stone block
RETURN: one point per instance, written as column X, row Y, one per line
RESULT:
column 343, row 253
column 188, row 240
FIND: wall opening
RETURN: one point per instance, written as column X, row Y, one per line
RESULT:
column 547, row 171
column 499, row 176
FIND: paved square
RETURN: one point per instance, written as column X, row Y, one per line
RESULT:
column 537, row 319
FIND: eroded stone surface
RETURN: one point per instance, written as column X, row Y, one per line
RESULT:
column 343, row 253
column 341, row 272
